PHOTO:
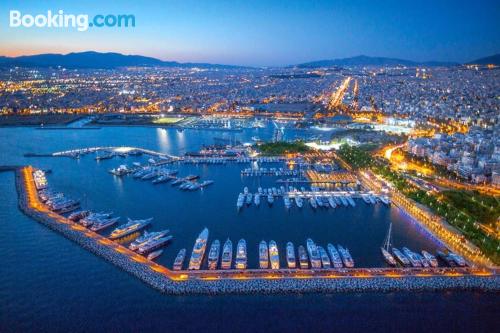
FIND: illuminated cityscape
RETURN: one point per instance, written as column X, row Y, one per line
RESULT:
column 192, row 180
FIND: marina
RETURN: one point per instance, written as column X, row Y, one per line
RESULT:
column 369, row 261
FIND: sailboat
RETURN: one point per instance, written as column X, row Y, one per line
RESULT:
column 386, row 247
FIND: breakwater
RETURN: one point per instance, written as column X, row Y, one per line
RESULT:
column 251, row 281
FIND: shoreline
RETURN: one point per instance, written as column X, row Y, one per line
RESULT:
column 179, row 283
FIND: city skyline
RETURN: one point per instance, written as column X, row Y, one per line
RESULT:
column 262, row 34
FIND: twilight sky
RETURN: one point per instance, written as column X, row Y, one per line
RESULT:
column 258, row 33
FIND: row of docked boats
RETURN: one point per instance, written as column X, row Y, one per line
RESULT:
column 270, row 172
column 145, row 244
column 408, row 258
column 57, row 201
column 225, row 257
column 159, row 175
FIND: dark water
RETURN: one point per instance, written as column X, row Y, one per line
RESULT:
column 47, row 283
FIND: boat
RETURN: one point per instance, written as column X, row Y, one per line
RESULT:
column 457, row 259
column 150, row 175
column 178, row 181
column 331, row 202
column 386, row 248
column 372, row 199
column 299, row 201
column 155, row 254
column 290, row 255
column 365, row 199
column 240, row 201
column 227, row 255
column 385, row 200
column 103, row 224
column 422, row 260
column 179, row 260
column 256, row 199
column 66, row 207
column 414, row 260
column 198, row 250
column 270, row 199
column 263, row 255
column 313, row 203
column 213, row 254
column 249, row 199
column 161, row 179
column 314, row 256
column 344, row 201
column 287, row 202
column 351, row 201
column 335, row 256
column 400, row 257
column 241, row 255
column 388, row 257
column 303, row 259
column 274, row 255
column 147, row 236
column 77, row 216
column 446, row 258
column 346, row 256
column 93, row 217
column 130, row 227
column 325, row 260
column 430, row 258
column 319, row 202
column 153, row 244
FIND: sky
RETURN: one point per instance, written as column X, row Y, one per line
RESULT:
column 267, row 33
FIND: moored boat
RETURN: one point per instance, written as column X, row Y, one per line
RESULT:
column 274, row 255
column 346, row 256
column 198, row 250
column 263, row 255
column 335, row 256
column 154, row 255
column 227, row 255
column 77, row 216
column 314, row 256
column 130, row 227
column 303, row 259
column 401, row 257
column 103, row 224
column 325, row 260
column 213, row 254
column 147, row 236
column 154, row 244
column 241, row 255
column 290, row 255
column 179, row 260
column 430, row 258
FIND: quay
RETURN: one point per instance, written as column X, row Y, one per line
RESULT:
column 252, row 280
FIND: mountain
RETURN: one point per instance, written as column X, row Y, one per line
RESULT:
column 97, row 60
column 363, row 60
column 494, row 59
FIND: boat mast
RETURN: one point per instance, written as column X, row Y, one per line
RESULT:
column 387, row 241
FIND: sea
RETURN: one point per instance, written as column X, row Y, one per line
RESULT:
column 50, row 284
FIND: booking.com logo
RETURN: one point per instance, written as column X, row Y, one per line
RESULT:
column 80, row 22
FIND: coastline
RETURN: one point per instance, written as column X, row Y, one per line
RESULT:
column 178, row 283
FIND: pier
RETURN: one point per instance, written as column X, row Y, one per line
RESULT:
column 251, row 280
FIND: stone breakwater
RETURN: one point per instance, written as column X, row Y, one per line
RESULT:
column 195, row 285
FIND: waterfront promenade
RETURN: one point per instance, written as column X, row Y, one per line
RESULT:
column 252, row 280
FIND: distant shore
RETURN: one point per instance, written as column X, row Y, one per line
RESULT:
column 38, row 120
